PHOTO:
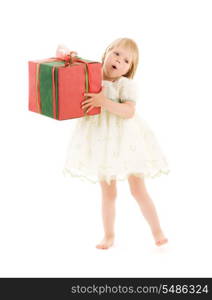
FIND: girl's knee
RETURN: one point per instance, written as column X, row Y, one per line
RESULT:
column 110, row 193
column 137, row 187
column 109, row 190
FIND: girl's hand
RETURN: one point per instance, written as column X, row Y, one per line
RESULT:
column 95, row 100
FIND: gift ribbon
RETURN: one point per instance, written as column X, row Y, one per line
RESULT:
column 69, row 61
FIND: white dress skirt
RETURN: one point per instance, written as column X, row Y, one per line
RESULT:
column 108, row 147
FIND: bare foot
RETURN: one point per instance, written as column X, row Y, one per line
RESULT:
column 160, row 239
column 106, row 243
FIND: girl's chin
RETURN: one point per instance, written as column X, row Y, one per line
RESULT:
column 111, row 75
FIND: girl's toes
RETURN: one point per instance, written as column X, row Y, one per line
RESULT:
column 162, row 242
column 100, row 246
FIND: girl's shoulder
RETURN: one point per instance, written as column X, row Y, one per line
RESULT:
column 128, row 89
column 120, row 80
column 126, row 82
column 122, row 84
column 123, row 80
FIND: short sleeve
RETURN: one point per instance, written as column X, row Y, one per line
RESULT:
column 128, row 90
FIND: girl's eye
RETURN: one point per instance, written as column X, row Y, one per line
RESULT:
column 117, row 53
column 126, row 61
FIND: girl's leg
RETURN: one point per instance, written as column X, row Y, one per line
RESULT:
column 109, row 194
column 139, row 192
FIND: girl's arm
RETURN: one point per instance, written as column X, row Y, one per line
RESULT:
column 124, row 110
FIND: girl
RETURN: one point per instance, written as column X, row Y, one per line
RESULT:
column 117, row 144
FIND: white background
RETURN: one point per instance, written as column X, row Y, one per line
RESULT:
column 49, row 224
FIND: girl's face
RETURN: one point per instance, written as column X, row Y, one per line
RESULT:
column 117, row 63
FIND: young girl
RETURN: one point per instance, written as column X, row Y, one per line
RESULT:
column 117, row 144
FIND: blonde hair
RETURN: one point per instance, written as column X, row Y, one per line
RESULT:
column 129, row 45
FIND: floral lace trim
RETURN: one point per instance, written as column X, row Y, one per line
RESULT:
column 141, row 175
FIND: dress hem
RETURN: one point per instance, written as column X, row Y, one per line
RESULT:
column 84, row 178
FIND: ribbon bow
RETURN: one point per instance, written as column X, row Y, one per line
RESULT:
column 63, row 53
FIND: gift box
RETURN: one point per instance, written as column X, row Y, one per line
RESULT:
column 57, row 86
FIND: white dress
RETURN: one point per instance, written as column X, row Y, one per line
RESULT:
column 106, row 146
